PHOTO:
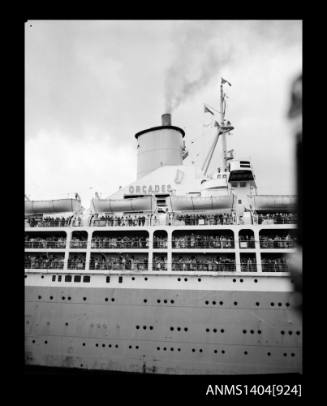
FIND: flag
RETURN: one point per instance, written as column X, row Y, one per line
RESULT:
column 225, row 81
column 207, row 110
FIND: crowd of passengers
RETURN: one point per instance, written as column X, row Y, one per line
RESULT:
column 120, row 242
column 76, row 261
column 45, row 242
column 203, row 263
column 274, row 264
column 275, row 218
column 247, row 241
column 44, row 261
column 159, row 263
column 204, row 219
column 194, row 240
column 277, row 241
column 119, row 262
column 248, row 264
column 159, row 242
column 128, row 220
column 49, row 221
column 78, row 242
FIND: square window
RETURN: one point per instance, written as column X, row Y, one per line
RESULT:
column 59, row 278
column 77, row 278
column 86, row 278
column 108, row 279
column 120, row 279
column 242, row 184
column 68, row 278
column 239, row 201
column 53, row 278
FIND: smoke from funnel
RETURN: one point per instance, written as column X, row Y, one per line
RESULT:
column 203, row 49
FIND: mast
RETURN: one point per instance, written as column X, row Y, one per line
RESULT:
column 222, row 129
column 222, row 123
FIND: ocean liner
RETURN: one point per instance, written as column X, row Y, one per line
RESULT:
column 180, row 272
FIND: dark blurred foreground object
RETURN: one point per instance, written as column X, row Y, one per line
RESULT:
column 295, row 117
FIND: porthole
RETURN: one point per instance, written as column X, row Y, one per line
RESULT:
column 252, row 331
column 179, row 279
column 257, row 303
column 133, row 279
column 158, row 348
column 214, row 330
column 222, row 330
column 51, row 297
column 200, row 350
column 81, row 365
column 279, row 304
column 69, row 298
column 83, row 344
column 221, row 303
column 290, row 333
column 33, row 341
column 235, row 303
column 268, row 353
column 97, row 345
column 223, row 351
column 178, row 349
column 282, row 332
column 106, row 299
column 199, row 279
column 63, row 298
column 171, row 349
column 165, row 301
column 259, row 331
column 164, row 348
column 144, row 327
column 116, row 346
column 244, row 331
column 26, row 276
column 185, row 279
column 151, row 327
column 84, row 298
column 137, row 347
column 287, row 304
column 285, row 354
column 66, row 324
column 172, row 301
column 178, row 329
column 193, row 349
column 214, row 303
column 215, row 351
column 272, row 304
column 297, row 333
column 131, row 347
column 39, row 297
column 42, row 276
column 45, row 342
column 171, row 328
column 113, row 299
column 137, row 327
column 206, row 302
column 292, row 355
column 145, row 279
column 185, row 329
column 234, row 280
column 241, row 280
column 245, row 353
column 256, row 281
column 158, row 301
column 103, row 345
column 145, row 301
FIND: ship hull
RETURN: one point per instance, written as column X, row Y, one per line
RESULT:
column 204, row 325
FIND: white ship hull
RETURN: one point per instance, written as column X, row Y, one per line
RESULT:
column 200, row 324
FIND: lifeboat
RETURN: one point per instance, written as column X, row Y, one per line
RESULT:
column 52, row 206
column 119, row 205
column 189, row 203
column 274, row 202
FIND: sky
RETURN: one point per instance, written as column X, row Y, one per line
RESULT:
column 91, row 85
